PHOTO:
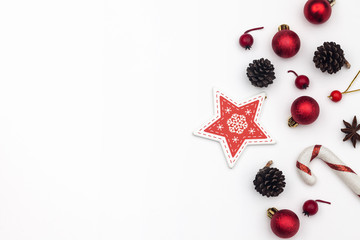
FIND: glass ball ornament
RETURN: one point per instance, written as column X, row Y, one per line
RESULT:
column 285, row 43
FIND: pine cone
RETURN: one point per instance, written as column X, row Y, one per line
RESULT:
column 330, row 57
column 261, row 72
column 269, row 181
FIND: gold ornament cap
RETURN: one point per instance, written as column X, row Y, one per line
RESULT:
column 271, row 212
column 292, row 123
column 283, row 27
column 332, row 2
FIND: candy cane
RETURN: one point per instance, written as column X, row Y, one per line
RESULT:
column 351, row 179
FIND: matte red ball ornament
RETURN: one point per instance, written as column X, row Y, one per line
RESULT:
column 304, row 110
column 311, row 207
column 246, row 40
column 284, row 223
column 318, row 11
column 285, row 42
column 301, row 81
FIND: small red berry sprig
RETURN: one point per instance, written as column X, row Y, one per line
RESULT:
column 311, row 207
column 246, row 40
column 301, row 81
column 336, row 95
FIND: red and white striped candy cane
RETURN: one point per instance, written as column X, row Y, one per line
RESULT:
column 344, row 172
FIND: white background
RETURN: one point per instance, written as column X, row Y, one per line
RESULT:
column 99, row 99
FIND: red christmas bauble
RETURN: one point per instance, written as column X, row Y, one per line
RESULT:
column 317, row 11
column 285, row 223
column 285, row 43
column 305, row 110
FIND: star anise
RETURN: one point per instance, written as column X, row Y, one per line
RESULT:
column 351, row 131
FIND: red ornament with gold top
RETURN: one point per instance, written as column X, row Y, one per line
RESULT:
column 318, row 11
column 285, row 43
column 284, row 223
column 304, row 110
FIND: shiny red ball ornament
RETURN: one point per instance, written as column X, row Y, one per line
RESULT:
column 311, row 207
column 304, row 110
column 301, row 81
column 285, row 42
column 284, row 223
column 246, row 40
column 335, row 96
column 318, row 11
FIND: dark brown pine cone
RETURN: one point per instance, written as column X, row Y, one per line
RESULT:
column 269, row 181
column 330, row 58
column 261, row 72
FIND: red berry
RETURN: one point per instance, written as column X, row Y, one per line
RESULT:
column 335, row 96
column 246, row 41
column 310, row 207
column 302, row 82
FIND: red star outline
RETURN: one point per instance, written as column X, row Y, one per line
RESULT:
column 233, row 143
